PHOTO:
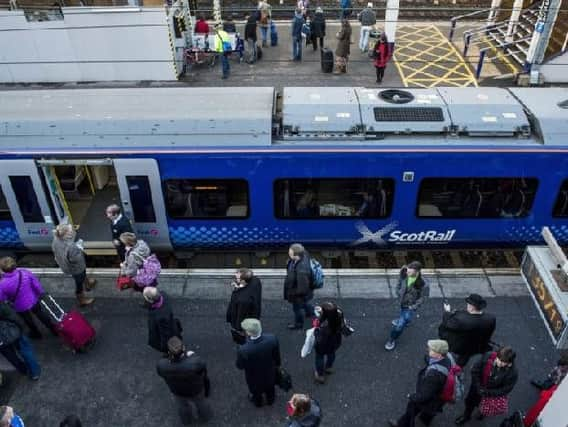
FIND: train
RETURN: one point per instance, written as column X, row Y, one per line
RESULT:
column 259, row 168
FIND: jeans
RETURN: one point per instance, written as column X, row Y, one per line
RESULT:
column 364, row 37
column 403, row 320
column 297, row 48
column 27, row 353
column 79, row 281
column 185, row 408
column 41, row 315
column 320, row 365
column 264, row 34
column 226, row 67
column 298, row 315
column 251, row 47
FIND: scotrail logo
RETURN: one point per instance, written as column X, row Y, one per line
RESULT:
column 389, row 234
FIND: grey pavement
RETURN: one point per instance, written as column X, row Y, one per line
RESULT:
column 115, row 384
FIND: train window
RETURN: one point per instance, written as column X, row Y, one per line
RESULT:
column 476, row 197
column 141, row 198
column 4, row 208
column 27, row 199
column 207, row 198
column 332, row 198
column 561, row 205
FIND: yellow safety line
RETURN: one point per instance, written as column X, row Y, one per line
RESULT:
column 61, row 194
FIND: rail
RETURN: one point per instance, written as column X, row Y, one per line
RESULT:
column 468, row 35
column 454, row 20
column 483, row 54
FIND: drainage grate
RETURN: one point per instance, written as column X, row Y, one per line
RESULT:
column 409, row 114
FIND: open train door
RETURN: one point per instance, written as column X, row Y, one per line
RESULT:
column 142, row 200
column 23, row 188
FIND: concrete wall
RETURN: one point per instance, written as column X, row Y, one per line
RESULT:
column 556, row 70
column 86, row 45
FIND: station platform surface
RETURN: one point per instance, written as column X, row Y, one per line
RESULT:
column 115, row 384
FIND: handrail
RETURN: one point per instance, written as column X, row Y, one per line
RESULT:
column 455, row 19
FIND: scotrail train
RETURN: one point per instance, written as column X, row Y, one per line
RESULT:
column 251, row 168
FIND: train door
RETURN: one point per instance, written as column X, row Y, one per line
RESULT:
column 23, row 189
column 142, row 200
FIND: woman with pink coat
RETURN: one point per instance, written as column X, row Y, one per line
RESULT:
column 382, row 55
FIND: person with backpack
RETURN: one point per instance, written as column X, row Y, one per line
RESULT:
column 412, row 289
column 223, row 49
column 251, row 37
column 303, row 411
column 162, row 325
column 368, row 19
column 428, row 399
column 137, row 251
column 327, row 332
column 493, row 377
column 298, row 285
column 346, row 9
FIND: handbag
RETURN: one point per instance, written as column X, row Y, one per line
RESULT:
column 308, row 343
column 239, row 337
column 490, row 406
column 10, row 332
column 124, row 282
column 283, row 379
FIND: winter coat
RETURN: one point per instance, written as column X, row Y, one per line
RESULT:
column 229, row 27
column 7, row 314
column 429, row 387
column 414, row 296
column 202, row 27
column 345, row 4
column 501, row 380
column 344, row 41
column 68, row 256
column 327, row 341
column 161, row 325
column 297, row 281
column 383, row 54
column 250, row 29
column 311, row 419
column 256, row 285
column 243, row 305
column 467, row 334
column 318, row 25
column 135, row 257
column 123, row 225
column 259, row 358
column 367, row 17
column 297, row 24
column 186, row 377
column 29, row 293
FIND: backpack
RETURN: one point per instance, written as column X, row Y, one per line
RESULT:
column 454, row 389
column 148, row 272
column 317, row 274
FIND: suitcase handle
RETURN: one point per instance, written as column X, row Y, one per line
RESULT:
column 52, row 312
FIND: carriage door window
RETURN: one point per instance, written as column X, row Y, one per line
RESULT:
column 4, row 208
column 561, row 205
column 26, row 198
column 141, row 198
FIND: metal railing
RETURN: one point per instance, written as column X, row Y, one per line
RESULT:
column 503, row 46
column 455, row 19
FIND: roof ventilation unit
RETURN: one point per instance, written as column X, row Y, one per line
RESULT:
column 396, row 96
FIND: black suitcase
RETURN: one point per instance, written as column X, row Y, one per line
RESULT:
column 326, row 60
column 258, row 52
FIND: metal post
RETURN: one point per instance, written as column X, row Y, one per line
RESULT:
column 391, row 20
column 495, row 5
column 514, row 20
column 480, row 64
column 547, row 16
column 452, row 29
column 467, row 38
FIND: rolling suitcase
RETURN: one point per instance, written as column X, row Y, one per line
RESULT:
column 326, row 60
column 72, row 327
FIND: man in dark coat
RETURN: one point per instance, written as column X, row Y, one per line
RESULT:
column 161, row 322
column 185, row 373
column 251, row 37
column 426, row 402
column 118, row 224
column 297, row 285
column 468, row 331
column 317, row 28
column 259, row 357
column 245, row 302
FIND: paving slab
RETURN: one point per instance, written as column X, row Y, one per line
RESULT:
column 365, row 287
column 512, row 286
column 460, row 287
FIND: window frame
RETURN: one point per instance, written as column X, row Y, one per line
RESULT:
column 10, row 217
column 40, row 218
column 562, row 184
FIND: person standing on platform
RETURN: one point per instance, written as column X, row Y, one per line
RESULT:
column 222, row 42
column 327, row 332
column 245, row 302
column 119, row 224
column 296, row 33
column 161, row 322
column 259, row 357
column 368, row 19
column 343, row 47
column 468, row 331
column 201, row 26
column 297, row 285
column 318, row 29
column 412, row 290
column 264, row 20
column 8, row 418
column 346, row 9
column 303, row 411
column 251, row 37
column 382, row 56
column 136, row 251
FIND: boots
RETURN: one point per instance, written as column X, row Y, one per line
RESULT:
column 319, row 379
column 90, row 284
column 84, row 300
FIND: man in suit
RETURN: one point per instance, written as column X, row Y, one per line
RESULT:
column 259, row 357
column 468, row 331
column 118, row 224
column 162, row 325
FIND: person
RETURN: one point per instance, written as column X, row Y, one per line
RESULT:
column 412, row 290
column 426, row 402
column 492, row 375
column 296, row 33
column 346, row 10
column 70, row 258
column 245, row 302
column 318, row 28
column 368, row 19
column 303, row 411
column 185, row 374
column 534, row 411
column 265, row 18
column 259, row 357
column 229, row 26
column 136, row 252
column 119, row 224
column 382, row 56
column 8, row 418
column 251, row 37
column 71, row 421
column 201, row 26
column 343, row 47
column 161, row 322
column 303, row 6
column 22, row 289
column 221, row 41
column 468, row 331
column 15, row 346
column 556, row 375
column 297, row 290
column 327, row 335
column 307, row 206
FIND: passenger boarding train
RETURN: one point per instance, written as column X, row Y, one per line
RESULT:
column 221, row 168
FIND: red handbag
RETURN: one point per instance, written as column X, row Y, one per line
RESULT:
column 492, row 406
column 124, row 282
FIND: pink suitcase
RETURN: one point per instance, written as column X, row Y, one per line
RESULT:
column 72, row 327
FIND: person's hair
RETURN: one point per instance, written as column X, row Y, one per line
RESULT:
column 330, row 313
column 506, row 355
column 246, row 274
column 302, row 404
column 113, row 209
column 8, row 264
column 71, row 421
column 175, row 347
column 63, row 231
column 297, row 249
column 129, row 239
column 3, row 410
column 563, row 361
column 151, row 294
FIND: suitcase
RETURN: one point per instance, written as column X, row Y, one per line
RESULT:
column 326, row 60
column 72, row 327
column 258, row 52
